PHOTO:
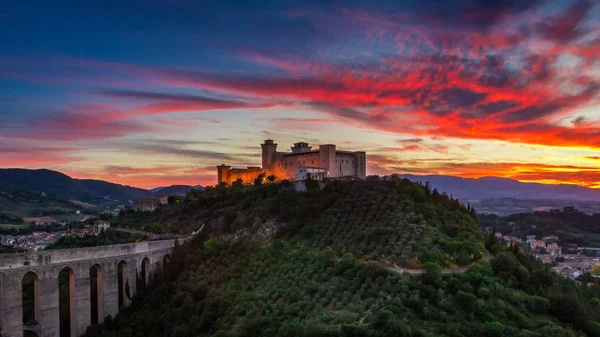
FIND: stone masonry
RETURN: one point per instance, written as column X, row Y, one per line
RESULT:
column 47, row 264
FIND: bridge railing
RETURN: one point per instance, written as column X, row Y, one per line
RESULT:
column 47, row 257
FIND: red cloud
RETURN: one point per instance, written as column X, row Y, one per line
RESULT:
column 556, row 174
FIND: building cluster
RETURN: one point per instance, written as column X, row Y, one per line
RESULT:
column 148, row 204
column 547, row 245
column 40, row 239
column 33, row 241
column 509, row 239
column 573, row 266
column 571, row 261
column 300, row 164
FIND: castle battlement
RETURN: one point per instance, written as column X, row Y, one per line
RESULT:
column 325, row 163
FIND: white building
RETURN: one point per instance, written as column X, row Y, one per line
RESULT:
column 100, row 226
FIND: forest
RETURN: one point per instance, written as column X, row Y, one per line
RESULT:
column 395, row 220
column 325, row 272
column 571, row 226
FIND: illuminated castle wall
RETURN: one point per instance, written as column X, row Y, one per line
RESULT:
column 325, row 163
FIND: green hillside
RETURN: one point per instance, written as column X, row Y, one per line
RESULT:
column 398, row 220
column 324, row 263
column 572, row 226
column 16, row 204
column 53, row 182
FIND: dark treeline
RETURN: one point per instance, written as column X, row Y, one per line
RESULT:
column 245, row 288
column 322, row 274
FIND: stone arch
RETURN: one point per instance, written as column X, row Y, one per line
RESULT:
column 30, row 333
column 123, row 283
column 66, row 302
column 146, row 268
column 30, row 288
column 96, row 294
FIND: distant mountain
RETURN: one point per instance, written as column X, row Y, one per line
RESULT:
column 179, row 190
column 48, row 181
column 156, row 189
column 495, row 187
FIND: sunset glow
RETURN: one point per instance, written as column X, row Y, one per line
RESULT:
column 159, row 93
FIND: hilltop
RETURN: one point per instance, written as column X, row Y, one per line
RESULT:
column 273, row 262
column 53, row 182
column 396, row 220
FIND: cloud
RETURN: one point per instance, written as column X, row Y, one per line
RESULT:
column 15, row 154
column 419, row 71
column 164, row 149
column 567, row 25
column 556, row 174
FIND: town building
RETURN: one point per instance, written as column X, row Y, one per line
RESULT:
column 302, row 162
column 100, row 226
column 148, row 204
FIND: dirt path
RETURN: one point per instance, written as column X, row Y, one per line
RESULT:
column 445, row 271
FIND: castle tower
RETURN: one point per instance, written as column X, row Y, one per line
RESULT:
column 327, row 157
column 269, row 149
column 223, row 173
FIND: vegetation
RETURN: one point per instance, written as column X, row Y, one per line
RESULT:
column 241, row 287
column 397, row 220
column 10, row 249
column 573, row 227
column 56, row 183
column 108, row 237
column 326, row 271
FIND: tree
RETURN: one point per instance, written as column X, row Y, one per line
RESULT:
column 259, row 180
column 432, row 273
column 311, row 184
column 271, row 178
column 239, row 183
column 285, row 183
column 173, row 199
column 595, row 270
column 155, row 227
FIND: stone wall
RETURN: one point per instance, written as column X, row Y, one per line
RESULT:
column 46, row 265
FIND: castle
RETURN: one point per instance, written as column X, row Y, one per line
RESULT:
column 303, row 162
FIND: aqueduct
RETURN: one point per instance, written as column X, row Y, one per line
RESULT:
column 100, row 280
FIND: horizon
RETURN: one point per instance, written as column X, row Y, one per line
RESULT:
column 151, row 187
column 152, row 94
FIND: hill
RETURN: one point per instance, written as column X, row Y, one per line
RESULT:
column 16, row 204
column 175, row 190
column 495, row 187
column 570, row 226
column 508, row 206
column 272, row 262
column 396, row 220
column 87, row 190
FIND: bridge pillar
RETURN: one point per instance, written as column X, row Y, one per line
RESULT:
column 111, row 289
column 49, row 305
column 12, row 305
column 132, row 277
column 82, row 299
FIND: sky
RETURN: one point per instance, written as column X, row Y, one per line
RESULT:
column 159, row 92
